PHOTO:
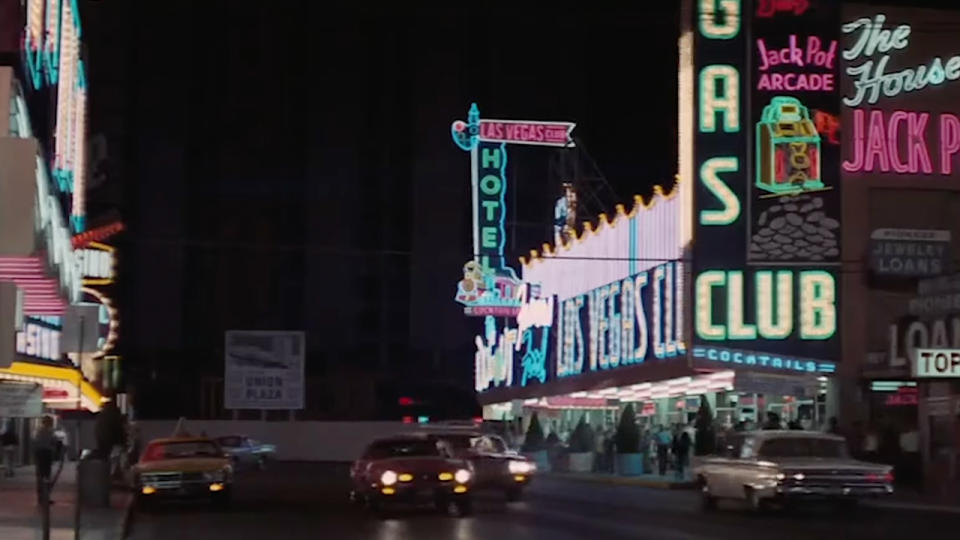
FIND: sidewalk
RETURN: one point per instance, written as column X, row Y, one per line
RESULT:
column 20, row 515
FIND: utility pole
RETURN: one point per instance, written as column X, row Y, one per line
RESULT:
column 76, row 506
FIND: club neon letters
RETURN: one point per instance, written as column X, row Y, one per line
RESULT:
column 775, row 314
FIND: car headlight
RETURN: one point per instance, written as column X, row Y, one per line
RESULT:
column 388, row 478
column 462, row 476
column 520, row 467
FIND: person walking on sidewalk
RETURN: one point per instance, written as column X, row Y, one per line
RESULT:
column 663, row 448
column 9, row 441
column 45, row 444
column 681, row 449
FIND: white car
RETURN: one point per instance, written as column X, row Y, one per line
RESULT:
column 764, row 467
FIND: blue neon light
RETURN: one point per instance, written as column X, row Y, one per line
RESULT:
column 534, row 361
column 466, row 134
column 772, row 361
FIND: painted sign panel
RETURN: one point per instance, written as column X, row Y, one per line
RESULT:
column 522, row 132
column 900, row 87
column 767, row 201
column 909, row 252
column 263, row 370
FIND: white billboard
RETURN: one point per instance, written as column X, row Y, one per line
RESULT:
column 263, row 370
column 937, row 363
column 21, row 400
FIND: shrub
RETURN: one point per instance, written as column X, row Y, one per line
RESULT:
column 533, row 442
column 582, row 438
column 628, row 434
column 706, row 437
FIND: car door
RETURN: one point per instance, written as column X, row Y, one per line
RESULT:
column 486, row 462
column 721, row 469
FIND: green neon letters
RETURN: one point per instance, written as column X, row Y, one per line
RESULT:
column 710, row 176
column 817, row 307
column 720, row 19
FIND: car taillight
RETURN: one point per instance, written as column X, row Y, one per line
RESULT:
column 877, row 477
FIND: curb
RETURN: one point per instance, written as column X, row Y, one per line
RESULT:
column 913, row 507
column 626, row 481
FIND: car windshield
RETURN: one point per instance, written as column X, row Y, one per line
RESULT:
column 402, row 448
column 785, row 447
column 185, row 449
column 461, row 442
column 230, row 441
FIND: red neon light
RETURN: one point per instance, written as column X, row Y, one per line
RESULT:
column 407, row 419
column 767, row 9
column 405, row 401
column 878, row 138
column 97, row 235
column 41, row 294
column 828, row 125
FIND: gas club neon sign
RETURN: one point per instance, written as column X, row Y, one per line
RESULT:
column 721, row 296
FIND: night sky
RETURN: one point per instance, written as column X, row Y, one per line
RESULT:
column 288, row 165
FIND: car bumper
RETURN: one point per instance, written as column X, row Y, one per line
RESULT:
column 417, row 494
column 183, row 490
column 827, row 492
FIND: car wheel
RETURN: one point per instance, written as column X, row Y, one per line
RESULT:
column 142, row 503
column 514, row 494
column 222, row 499
column 707, row 501
column 754, row 501
column 459, row 507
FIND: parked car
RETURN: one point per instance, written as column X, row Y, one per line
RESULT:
column 183, row 467
column 247, row 452
column 764, row 467
column 412, row 469
column 496, row 466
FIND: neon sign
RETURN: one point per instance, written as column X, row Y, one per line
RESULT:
column 39, row 341
column 97, row 264
column 770, row 8
column 812, row 54
column 872, row 38
column 490, row 287
column 763, row 360
column 788, row 148
column 494, row 356
column 775, row 318
column 535, row 315
column 622, row 323
column 877, row 142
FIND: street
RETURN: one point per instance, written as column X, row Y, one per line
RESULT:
column 301, row 500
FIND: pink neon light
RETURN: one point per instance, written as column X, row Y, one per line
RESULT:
column 41, row 293
column 949, row 141
column 876, row 146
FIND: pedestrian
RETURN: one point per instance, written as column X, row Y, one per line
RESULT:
column 45, row 444
column 599, row 447
column 681, row 449
column 833, row 426
column 9, row 441
column 663, row 448
column 773, row 421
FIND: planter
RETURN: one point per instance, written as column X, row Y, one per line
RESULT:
column 630, row 464
column 580, row 462
column 541, row 458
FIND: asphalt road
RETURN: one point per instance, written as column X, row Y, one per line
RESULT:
column 308, row 501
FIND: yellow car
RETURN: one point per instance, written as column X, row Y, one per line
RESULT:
column 181, row 468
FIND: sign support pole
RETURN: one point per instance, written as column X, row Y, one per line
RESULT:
column 76, row 506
